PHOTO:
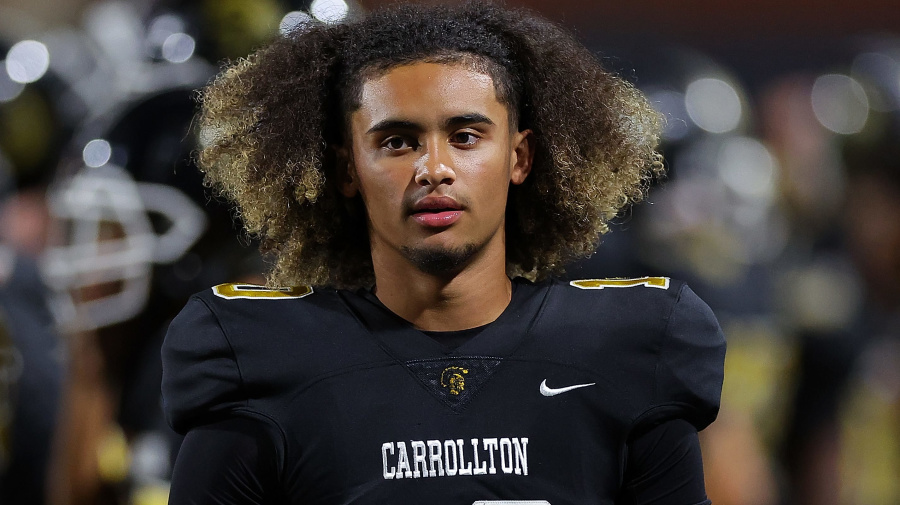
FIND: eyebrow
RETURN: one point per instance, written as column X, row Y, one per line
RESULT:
column 468, row 119
column 393, row 124
column 455, row 121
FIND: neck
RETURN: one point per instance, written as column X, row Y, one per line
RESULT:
column 474, row 296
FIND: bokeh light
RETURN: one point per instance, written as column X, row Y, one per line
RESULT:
column 96, row 153
column 27, row 61
column 747, row 168
column 292, row 21
column 178, row 47
column 713, row 104
column 329, row 11
column 840, row 103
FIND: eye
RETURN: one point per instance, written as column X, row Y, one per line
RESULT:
column 464, row 137
column 397, row 143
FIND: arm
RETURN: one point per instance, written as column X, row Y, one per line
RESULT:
column 663, row 464
column 664, row 467
column 230, row 454
column 232, row 461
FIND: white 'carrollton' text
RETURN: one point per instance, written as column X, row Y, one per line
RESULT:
column 450, row 458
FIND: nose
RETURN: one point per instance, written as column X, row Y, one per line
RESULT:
column 434, row 167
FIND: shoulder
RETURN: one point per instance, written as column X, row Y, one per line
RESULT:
column 628, row 315
column 231, row 310
column 669, row 337
column 651, row 300
column 204, row 354
column 644, row 301
column 225, row 314
column 241, row 347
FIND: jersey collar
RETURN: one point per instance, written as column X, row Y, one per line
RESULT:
column 499, row 339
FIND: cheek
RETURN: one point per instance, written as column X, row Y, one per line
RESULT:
column 382, row 191
column 493, row 179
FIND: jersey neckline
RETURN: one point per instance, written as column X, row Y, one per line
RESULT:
column 405, row 342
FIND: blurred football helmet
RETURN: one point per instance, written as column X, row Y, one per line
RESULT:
column 111, row 239
column 131, row 213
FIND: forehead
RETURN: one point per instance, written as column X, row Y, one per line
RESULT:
column 426, row 90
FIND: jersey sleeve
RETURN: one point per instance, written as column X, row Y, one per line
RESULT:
column 664, row 466
column 690, row 368
column 201, row 380
column 229, row 462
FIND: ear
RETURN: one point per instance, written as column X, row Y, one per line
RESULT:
column 523, row 156
column 346, row 172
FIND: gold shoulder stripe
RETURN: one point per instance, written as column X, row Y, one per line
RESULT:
column 235, row 291
column 650, row 282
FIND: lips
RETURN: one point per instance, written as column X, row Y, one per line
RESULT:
column 436, row 212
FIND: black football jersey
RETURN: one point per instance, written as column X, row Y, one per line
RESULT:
column 535, row 409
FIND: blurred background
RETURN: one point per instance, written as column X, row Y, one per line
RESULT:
column 781, row 209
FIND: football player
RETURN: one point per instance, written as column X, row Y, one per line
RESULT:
column 418, row 175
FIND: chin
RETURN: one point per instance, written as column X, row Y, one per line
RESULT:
column 440, row 260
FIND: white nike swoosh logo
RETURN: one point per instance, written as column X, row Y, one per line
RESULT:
column 548, row 391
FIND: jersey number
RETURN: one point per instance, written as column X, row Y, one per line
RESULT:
column 234, row 291
column 650, row 282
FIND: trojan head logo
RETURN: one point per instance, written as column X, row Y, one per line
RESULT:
column 454, row 378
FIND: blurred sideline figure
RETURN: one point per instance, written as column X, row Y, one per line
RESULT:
column 841, row 444
column 35, row 120
column 134, row 234
column 865, row 435
column 870, row 412
column 135, row 240
column 817, row 295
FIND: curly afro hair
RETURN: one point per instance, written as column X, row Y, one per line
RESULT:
column 270, row 123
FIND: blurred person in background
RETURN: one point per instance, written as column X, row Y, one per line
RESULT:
column 129, row 240
column 869, row 412
column 139, row 235
column 35, row 123
column 815, row 296
column 838, row 299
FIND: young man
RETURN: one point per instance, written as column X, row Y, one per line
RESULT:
column 401, row 170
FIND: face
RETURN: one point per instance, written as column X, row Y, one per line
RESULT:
column 433, row 155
